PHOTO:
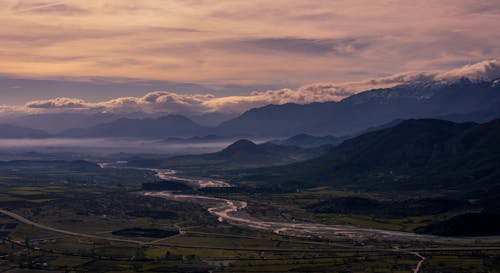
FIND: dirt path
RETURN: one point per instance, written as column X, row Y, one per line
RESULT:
column 419, row 264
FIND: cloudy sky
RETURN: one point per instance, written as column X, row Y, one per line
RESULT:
column 113, row 52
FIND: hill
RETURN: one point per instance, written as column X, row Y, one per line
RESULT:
column 309, row 141
column 58, row 122
column 166, row 126
column 242, row 153
column 12, row 131
column 423, row 154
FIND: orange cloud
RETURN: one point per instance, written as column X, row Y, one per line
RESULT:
column 169, row 102
column 245, row 42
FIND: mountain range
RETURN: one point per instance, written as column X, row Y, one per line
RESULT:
column 461, row 101
column 309, row 141
column 12, row 131
column 170, row 125
column 416, row 153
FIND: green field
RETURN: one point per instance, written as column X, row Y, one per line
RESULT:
column 204, row 245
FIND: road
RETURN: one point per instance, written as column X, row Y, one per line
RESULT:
column 21, row 219
column 336, row 249
column 412, row 251
column 227, row 210
column 419, row 264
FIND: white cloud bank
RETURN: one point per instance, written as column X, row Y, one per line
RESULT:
column 168, row 102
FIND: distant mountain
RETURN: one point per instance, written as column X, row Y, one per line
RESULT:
column 480, row 116
column 11, row 131
column 198, row 139
column 242, row 153
column 309, row 141
column 415, row 154
column 56, row 123
column 247, row 152
column 279, row 120
column 162, row 127
column 212, row 119
column 463, row 99
column 59, row 122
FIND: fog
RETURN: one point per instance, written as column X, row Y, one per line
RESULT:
column 106, row 146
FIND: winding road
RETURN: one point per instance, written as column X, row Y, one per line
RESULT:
column 419, row 264
column 21, row 219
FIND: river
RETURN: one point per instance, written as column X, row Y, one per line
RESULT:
column 229, row 211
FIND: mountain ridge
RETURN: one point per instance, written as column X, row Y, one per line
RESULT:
column 9, row 131
column 461, row 100
column 410, row 155
column 169, row 125
column 370, row 108
column 241, row 153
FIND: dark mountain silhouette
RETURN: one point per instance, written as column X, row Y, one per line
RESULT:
column 56, row 123
column 463, row 100
column 247, row 152
column 279, row 120
column 11, row 131
column 308, row 141
column 166, row 126
column 212, row 118
column 415, row 154
column 241, row 150
column 240, row 153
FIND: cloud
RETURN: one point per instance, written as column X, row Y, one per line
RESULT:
column 10, row 110
column 485, row 70
column 58, row 103
column 298, row 45
column 281, row 42
column 53, row 7
column 483, row 7
column 323, row 92
column 170, row 102
column 158, row 101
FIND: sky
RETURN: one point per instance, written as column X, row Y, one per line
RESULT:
column 212, row 53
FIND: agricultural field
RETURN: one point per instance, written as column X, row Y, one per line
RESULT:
column 113, row 227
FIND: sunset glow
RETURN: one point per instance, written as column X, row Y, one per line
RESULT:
column 244, row 42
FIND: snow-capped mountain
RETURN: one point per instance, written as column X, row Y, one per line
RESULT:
column 461, row 99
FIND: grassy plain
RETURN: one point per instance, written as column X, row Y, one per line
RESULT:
column 112, row 202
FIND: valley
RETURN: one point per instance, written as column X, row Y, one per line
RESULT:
column 360, row 185
column 65, row 226
column 249, row 136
